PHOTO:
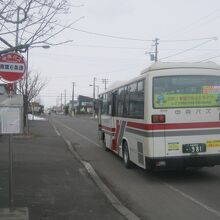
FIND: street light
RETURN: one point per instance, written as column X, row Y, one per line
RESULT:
column 28, row 48
column 26, row 84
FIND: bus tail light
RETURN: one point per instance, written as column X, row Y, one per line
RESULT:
column 158, row 118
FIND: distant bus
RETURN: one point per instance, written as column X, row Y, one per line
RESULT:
column 167, row 117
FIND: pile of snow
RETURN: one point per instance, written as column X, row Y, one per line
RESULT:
column 36, row 118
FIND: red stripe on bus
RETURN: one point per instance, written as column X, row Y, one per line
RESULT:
column 108, row 128
column 116, row 133
column 173, row 126
column 114, row 142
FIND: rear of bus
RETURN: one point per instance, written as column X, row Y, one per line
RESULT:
column 184, row 116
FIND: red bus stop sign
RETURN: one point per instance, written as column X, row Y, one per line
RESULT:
column 12, row 66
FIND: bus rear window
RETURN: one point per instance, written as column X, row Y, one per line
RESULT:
column 186, row 91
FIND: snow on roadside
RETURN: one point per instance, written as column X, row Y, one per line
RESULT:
column 35, row 118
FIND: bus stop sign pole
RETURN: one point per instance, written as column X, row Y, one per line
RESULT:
column 11, row 185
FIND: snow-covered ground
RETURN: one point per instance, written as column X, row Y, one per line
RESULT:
column 36, row 118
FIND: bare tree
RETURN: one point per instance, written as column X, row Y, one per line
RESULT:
column 31, row 86
column 31, row 22
column 27, row 23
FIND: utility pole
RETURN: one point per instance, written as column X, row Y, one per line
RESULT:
column 17, row 26
column 11, row 179
column 72, row 108
column 94, row 79
column 105, row 81
column 61, row 101
column 156, row 49
column 16, row 40
column 65, row 97
column 154, row 55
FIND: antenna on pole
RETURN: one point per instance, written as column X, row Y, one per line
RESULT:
column 154, row 55
column 156, row 49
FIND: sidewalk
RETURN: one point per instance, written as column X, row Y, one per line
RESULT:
column 49, row 181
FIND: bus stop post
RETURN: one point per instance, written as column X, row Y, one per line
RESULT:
column 11, row 187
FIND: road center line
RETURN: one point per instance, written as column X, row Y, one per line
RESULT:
column 80, row 135
column 213, row 211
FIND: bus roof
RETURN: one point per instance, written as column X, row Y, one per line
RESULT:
column 116, row 84
column 181, row 65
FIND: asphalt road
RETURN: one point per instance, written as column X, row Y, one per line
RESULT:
column 48, row 180
column 193, row 194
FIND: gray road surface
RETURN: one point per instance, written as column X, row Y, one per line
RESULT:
column 165, row 195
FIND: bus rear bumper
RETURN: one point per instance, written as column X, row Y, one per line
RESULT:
column 163, row 163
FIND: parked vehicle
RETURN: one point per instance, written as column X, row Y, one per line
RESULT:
column 167, row 117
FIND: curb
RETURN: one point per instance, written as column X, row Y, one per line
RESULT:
column 124, row 211
column 115, row 202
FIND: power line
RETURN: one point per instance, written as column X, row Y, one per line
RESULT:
column 136, row 48
column 194, row 39
column 183, row 29
column 124, row 38
column 106, row 47
column 136, row 39
column 133, row 39
column 94, row 33
column 198, row 45
column 107, row 35
column 209, row 58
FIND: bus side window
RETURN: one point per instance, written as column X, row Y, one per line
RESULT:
column 126, row 99
column 114, row 106
column 136, row 100
column 120, row 102
column 104, row 104
column 109, row 104
column 132, row 99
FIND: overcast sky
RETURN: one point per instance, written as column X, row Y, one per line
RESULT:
column 196, row 22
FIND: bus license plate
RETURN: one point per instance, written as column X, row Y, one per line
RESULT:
column 194, row 148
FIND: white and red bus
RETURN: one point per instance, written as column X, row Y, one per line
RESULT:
column 167, row 117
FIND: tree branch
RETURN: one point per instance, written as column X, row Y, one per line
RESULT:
column 38, row 22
